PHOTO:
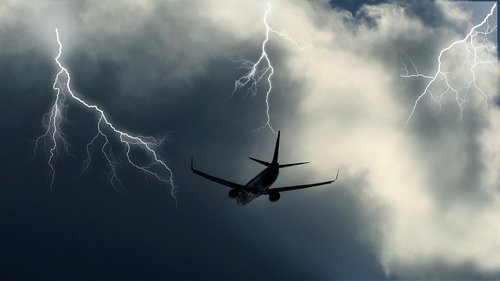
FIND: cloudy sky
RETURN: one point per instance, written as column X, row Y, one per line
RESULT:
column 418, row 195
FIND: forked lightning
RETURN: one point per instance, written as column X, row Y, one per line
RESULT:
column 474, row 42
column 105, row 130
column 261, row 69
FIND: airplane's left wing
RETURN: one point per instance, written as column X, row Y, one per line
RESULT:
column 294, row 187
column 216, row 179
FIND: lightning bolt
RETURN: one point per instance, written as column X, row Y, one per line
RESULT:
column 105, row 131
column 262, row 69
column 474, row 41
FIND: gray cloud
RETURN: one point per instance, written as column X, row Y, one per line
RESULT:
column 416, row 202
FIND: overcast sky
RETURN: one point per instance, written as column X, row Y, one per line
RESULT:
column 417, row 198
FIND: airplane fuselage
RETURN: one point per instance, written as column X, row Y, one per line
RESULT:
column 258, row 185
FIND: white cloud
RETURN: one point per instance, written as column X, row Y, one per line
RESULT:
column 354, row 118
column 452, row 12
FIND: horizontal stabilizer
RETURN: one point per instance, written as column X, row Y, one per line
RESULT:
column 261, row 162
column 293, row 164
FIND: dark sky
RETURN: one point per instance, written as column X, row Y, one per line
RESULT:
column 413, row 202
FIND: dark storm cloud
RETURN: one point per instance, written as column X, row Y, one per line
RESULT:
column 353, row 5
column 149, row 83
column 429, row 11
column 166, row 67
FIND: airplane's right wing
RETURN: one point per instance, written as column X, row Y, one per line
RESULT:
column 294, row 187
column 216, row 179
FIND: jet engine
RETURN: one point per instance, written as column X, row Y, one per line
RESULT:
column 233, row 193
column 274, row 196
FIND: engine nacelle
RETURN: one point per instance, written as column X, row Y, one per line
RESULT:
column 274, row 196
column 233, row 193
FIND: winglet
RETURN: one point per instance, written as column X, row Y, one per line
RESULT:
column 336, row 177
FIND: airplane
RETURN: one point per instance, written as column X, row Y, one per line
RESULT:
column 260, row 184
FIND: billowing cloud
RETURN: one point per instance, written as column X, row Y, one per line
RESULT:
column 438, row 176
column 417, row 201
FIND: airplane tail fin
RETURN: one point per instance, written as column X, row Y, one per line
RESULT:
column 276, row 150
column 275, row 157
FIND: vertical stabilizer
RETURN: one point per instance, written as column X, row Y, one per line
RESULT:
column 276, row 149
column 274, row 163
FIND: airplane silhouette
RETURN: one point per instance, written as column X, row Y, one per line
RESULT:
column 260, row 184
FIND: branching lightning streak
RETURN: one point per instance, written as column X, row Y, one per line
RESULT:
column 470, row 40
column 261, row 69
column 105, row 130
